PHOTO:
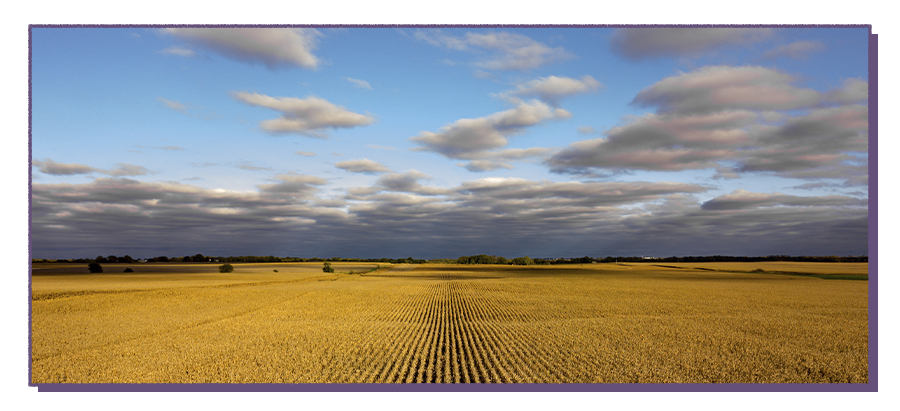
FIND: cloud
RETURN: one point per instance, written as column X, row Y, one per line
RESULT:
column 123, row 170
column 303, row 116
column 380, row 147
column 359, row 83
column 305, row 153
column 551, row 89
column 640, row 43
column 743, row 199
column 398, row 214
column 274, row 47
column 661, row 142
column 174, row 105
column 854, row 90
column 59, row 169
column 477, row 138
column 293, row 185
column 586, row 130
column 364, row 166
column 247, row 165
column 717, row 88
column 179, row 51
column 732, row 120
column 797, row 50
column 509, row 51
column 480, row 166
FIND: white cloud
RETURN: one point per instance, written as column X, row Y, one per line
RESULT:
column 271, row 46
column 359, row 83
column 510, row 51
column 174, row 105
column 305, row 153
column 797, row 50
column 303, row 116
column 180, row 51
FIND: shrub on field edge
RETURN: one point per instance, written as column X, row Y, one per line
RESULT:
column 226, row 268
column 95, row 267
column 128, row 270
column 327, row 268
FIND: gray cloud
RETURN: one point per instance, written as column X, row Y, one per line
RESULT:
column 743, row 199
column 481, row 166
column 273, row 47
column 398, row 217
column 510, row 51
column 716, row 88
column 478, row 138
column 732, row 119
column 364, row 166
column 59, row 169
column 51, row 167
column 661, row 142
column 304, row 116
column 797, row 50
column 305, row 153
column 651, row 42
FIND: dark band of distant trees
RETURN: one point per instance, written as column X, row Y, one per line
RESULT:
column 474, row 259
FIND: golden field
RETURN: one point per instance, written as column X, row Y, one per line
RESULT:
column 592, row 323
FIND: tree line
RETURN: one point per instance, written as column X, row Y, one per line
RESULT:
column 474, row 259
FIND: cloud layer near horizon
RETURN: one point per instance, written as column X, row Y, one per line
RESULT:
column 401, row 215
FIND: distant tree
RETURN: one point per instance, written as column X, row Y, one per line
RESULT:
column 112, row 259
column 226, row 268
column 198, row 258
column 95, row 267
column 100, row 259
column 186, row 259
column 327, row 268
column 128, row 270
column 126, row 259
column 522, row 261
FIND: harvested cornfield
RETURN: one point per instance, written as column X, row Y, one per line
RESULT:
column 449, row 324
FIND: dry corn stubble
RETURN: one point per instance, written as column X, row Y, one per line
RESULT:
column 595, row 323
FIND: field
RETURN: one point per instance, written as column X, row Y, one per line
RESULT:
column 592, row 323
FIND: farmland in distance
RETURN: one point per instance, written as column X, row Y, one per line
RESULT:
column 591, row 323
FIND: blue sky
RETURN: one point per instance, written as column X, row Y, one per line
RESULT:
column 427, row 142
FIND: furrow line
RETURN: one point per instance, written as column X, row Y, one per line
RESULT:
column 486, row 357
column 413, row 372
column 467, row 362
column 492, row 343
column 408, row 326
column 480, row 369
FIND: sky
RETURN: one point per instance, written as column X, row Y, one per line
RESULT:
column 442, row 142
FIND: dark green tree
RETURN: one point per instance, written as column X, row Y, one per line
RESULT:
column 327, row 268
column 226, row 268
column 95, row 267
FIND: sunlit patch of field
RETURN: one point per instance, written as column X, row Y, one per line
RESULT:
column 597, row 323
column 791, row 267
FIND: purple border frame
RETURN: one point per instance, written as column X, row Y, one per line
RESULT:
column 871, row 386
